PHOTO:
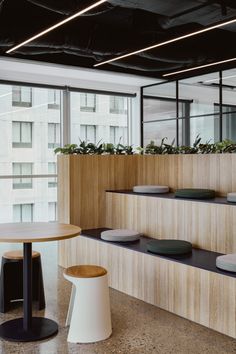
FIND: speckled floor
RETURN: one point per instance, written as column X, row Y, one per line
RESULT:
column 138, row 328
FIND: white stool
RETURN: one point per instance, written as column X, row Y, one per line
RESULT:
column 89, row 313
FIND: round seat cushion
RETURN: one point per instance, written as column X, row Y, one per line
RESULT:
column 227, row 262
column 120, row 235
column 195, row 193
column 151, row 189
column 231, row 197
column 169, row 247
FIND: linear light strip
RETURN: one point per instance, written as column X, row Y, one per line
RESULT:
column 199, row 67
column 167, row 42
column 57, row 25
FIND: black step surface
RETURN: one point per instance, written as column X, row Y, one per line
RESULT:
column 217, row 200
column 199, row 258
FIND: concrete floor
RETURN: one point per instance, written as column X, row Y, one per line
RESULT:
column 137, row 327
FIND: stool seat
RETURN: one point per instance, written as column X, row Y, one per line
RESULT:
column 195, row 193
column 169, row 247
column 18, row 254
column 120, row 235
column 231, row 197
column 151, row 189
column 85, row 271
column 89, row 315
column 227, row 262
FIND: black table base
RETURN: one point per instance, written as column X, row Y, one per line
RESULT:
column 41, row 328
column 28, row 328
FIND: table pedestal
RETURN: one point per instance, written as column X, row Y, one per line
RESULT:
column 28, row 328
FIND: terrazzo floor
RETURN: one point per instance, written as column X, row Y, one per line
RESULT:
column 138, row 328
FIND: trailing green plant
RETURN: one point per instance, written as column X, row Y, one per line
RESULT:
column 84, row 148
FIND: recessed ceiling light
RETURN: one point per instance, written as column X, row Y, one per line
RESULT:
column 161, row 44
column 200, row 67
column 57, row 25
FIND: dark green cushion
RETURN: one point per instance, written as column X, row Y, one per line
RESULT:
column 195, row 193
column 168, row 247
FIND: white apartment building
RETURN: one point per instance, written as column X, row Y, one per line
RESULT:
column 30, row 124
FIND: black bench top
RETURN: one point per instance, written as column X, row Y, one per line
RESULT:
column 217, row 200
column 199, row 258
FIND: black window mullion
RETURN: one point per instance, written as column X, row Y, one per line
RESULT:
column 221, row 108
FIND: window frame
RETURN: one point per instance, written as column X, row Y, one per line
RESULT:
column 21, row 103
column 22, row 144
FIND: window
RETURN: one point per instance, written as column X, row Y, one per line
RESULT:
column 22, row 212
column 52, row 211
column 96, row 127
column 21, row 96
column 87, row 102
column 88, row 133
column 52, row 170
column 54, row 99
column 118, row 135
column 229, row 122
column 118, row 105
column 22, row 169
column 22, row 134
column 53, row 135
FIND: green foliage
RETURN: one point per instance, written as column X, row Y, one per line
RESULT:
column 84, row 148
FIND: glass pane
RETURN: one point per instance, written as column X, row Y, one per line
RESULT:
column 26, row 132
column 158, row 130
column 229, row 125
column 26, row 127
column 26, row 212
column 159, row 102
column 94, row 126
column 26, row 94
column 206, row 127
column 158, row 109
column 16, row 135
column 36, row 200
column 202, row 94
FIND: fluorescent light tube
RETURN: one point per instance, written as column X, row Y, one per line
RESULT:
column 168, row 42
column 57, row 25
column 200, row 67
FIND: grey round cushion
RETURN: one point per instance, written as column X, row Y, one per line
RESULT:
column 120, row 235
column 227, row 262
column 151, row 189
column 231, row 197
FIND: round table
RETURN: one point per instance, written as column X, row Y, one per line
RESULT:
column 30, row 328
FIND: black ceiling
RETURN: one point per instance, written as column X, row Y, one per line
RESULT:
column 118, row 27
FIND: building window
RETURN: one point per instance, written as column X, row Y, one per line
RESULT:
column 118, row 105
column 22, row 169
column 52, row 170
column 22, row 212
column 88, row 133
column 22, row 134
column 21, row 96
column 52, row 211
column 53, row 135
column 118, row 135
column 54, row 99
column 87, row 102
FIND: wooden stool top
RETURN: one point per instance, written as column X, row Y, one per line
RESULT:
column 17, row 255
column 85, row 271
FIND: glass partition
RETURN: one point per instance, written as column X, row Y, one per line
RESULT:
column 206, row 107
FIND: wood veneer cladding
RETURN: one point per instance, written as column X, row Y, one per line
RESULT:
column 212, row 171
column 86, row 178
column 206, row 225
column 201, row 296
